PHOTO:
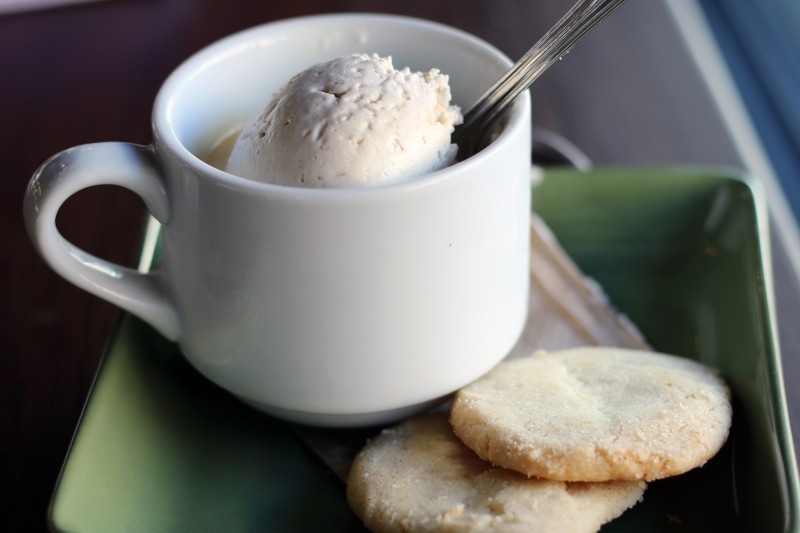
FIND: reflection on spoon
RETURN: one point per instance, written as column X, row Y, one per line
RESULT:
column 481, row 117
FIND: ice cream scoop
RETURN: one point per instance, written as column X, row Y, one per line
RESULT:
column 351, row 122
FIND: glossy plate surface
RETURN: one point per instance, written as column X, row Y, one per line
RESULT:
column 682, row 252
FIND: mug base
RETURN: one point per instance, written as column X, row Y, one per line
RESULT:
column 344, row 420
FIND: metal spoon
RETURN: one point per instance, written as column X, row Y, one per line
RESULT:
column 478, row 121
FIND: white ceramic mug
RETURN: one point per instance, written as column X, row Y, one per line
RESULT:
column 331, row 307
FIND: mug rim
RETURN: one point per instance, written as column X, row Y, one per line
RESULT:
column 166, row 136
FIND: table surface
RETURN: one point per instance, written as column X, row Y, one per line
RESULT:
column 629, row 94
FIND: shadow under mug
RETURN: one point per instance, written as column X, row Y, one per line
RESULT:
column 331, row 307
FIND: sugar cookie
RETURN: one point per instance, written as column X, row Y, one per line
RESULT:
column 595, row 414
column 419, row 477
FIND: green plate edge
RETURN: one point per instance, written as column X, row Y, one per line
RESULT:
column 95, row 487
column 704, row 196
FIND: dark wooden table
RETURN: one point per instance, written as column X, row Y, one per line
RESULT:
column 628, row 95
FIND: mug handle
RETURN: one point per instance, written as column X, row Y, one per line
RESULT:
column 127, row 165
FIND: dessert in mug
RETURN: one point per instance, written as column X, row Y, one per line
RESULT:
column 338, row 307
column 353, row 121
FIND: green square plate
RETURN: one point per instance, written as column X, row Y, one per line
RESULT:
column 682, row 252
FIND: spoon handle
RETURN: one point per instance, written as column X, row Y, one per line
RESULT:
column 554, row 45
